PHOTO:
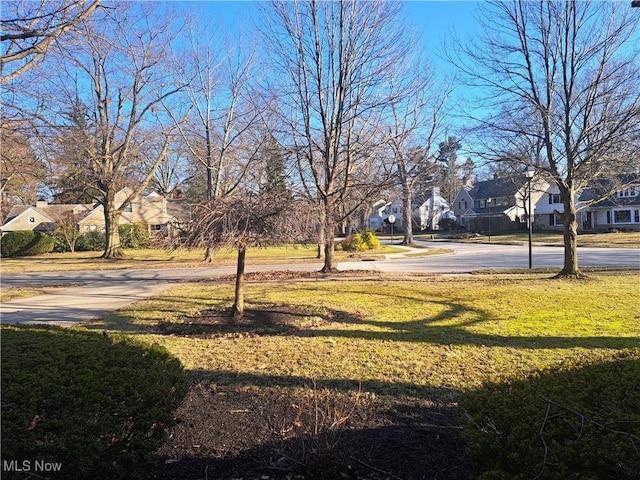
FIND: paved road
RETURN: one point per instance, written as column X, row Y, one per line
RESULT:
column 469, row 257
column 103, row 291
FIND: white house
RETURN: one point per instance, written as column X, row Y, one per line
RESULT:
column 427, row 213
column 618, row 211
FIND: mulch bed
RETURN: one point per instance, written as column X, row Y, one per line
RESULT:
column 226, row 432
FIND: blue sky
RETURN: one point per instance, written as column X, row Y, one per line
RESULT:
column 432, row 19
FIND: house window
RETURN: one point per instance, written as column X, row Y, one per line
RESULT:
column 462, row 204
column 554, row 198
column 629, row 192
column 128, row 208
column 554, row 220
column 155, row 227
column 622, row 216
column 32, row 220
column 636, row 216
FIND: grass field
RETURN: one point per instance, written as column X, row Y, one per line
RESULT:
column 158, row 258
column 443, row 334
column 400, row 361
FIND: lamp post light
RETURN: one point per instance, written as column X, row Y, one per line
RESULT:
column 529, row 173
column 489, row 215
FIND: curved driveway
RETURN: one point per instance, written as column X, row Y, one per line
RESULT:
column 94, row 293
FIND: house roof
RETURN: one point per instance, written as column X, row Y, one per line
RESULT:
column 606, row 189
column 497, row 187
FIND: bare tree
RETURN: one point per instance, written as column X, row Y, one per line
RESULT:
column 67, row 227
column 416, row 115
column 334, row 61
column 29, row 29
column 117, row 72
column 564, row 74
column 170, row 175
column 221, row 114
column 245, row 219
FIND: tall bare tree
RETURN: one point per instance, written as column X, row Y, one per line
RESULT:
column 416, row 117
column 334, row 61
column 221, row 114
column 564, row 74
column 30, row 28
column 116, row 70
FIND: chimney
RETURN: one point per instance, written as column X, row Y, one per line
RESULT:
column 41, row 203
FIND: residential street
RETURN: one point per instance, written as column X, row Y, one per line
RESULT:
column 95, row 293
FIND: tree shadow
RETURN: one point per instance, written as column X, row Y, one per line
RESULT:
column 247, row 426
column 267, row 319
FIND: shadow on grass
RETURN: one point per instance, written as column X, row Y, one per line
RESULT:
column 284, row 320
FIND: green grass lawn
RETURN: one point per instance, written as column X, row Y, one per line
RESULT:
column 492, row 346
column 443, row 335
column 158, row 258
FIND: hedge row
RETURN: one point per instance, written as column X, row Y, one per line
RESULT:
column 24, row 243
column 94, row 405
column 574, row 421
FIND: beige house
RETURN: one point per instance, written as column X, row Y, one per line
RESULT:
column 153, row 210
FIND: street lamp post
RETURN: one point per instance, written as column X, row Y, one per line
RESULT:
column 489, row 215
column 529, row 173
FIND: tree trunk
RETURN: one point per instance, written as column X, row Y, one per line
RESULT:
column 112, row 247
column 238, row 306
column 208, row 254
column 321, row 234
column 407, row 200
column 570, row 268
column 329, row 228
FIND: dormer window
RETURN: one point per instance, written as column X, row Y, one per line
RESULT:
column 628, row 192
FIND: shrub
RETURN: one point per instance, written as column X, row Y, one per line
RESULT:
column 91, row 242
column 575, row 421
column 134, row 235
column 25, row 243
column 369, row 237
column 94, row 404
column 359, row 242
column 60, row 243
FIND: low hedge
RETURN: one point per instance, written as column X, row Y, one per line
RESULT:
column 23, row 243
column 95, row 406
column 575, row 421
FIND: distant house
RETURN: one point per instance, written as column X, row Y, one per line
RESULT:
column 618, row 211
column 432, row 212
column 548, row 209
column 153, row 210
column 499, row 204
column 428, row 212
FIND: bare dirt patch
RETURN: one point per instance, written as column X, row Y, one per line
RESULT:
column 231, row 432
